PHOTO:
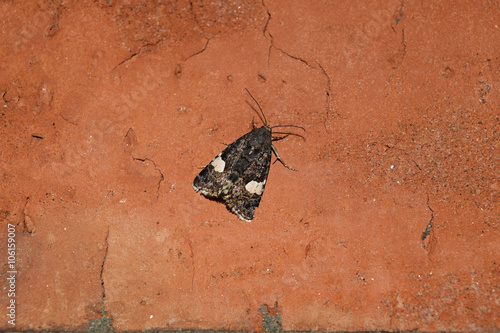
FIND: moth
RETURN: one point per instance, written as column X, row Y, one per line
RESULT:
column 238, row 174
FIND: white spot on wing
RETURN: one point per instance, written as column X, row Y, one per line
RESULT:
column 218, row 164
column 240, row 215
column 255, row 187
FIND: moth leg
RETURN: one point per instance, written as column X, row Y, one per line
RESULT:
column 278, row 158
column 225, row 144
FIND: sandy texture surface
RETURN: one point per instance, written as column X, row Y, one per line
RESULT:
column 391, row 222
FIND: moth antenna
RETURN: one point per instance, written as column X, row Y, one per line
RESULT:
column 263, row 117
column 287, row 134
column 302, row 128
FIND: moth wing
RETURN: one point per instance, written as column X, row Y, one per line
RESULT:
column 244, row 195
column 239, row 173
column 215, row 176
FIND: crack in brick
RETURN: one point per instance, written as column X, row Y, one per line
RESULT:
column 178, row 69
column 133, row 55
column 428, row 229
column 292, row 56
column 271, row 38
column 328, row 92
column 264, row 31
column 129, row 140
column 401, row 56
column 401, row 15
column 192, row 263
column 195, row 17
column 403, row 41
column 66, row 120
column 268, row 35
column 162, row 178
column 402, row 51
column 268, row 18
column 328, row 88
column 103, row 295
column 199, row 52
column 328, row 95
column 55, row 15
column 417, row 165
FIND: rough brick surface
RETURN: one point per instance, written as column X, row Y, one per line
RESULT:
column 391, row 223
